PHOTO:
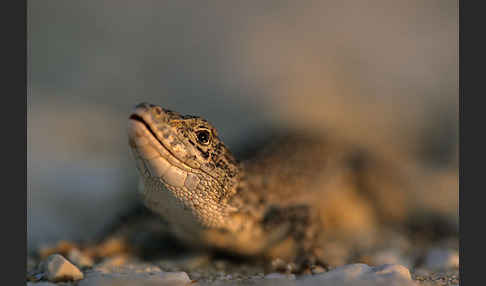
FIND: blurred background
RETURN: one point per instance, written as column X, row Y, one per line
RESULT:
column 382, row 73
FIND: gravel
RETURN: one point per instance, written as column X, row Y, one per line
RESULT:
column 425, row 265
column 198, row 269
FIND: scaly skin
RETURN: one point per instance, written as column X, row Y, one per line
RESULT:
column 284, row 203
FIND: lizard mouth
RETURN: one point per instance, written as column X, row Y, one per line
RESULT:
column 164, row 152
column 139, row 118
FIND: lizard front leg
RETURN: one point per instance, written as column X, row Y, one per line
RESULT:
column 299, row 250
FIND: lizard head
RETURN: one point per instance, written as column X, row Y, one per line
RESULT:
column 185, row 168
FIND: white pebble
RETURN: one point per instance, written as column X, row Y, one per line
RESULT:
column 175, row 276
column 57, row 269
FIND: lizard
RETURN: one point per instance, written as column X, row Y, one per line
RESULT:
column 298, row 201
column 281, row 204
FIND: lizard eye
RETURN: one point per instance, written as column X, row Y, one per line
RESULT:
column 203, row 136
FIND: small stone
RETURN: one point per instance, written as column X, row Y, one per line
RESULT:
column 278, row 264
column 175, row 276
column 389, row 256
column 318, row 269
column 153, row 269
column 79, row 259
column 442, row 259
column 58, row 269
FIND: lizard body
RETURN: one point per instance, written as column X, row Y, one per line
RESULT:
column 282, row 203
